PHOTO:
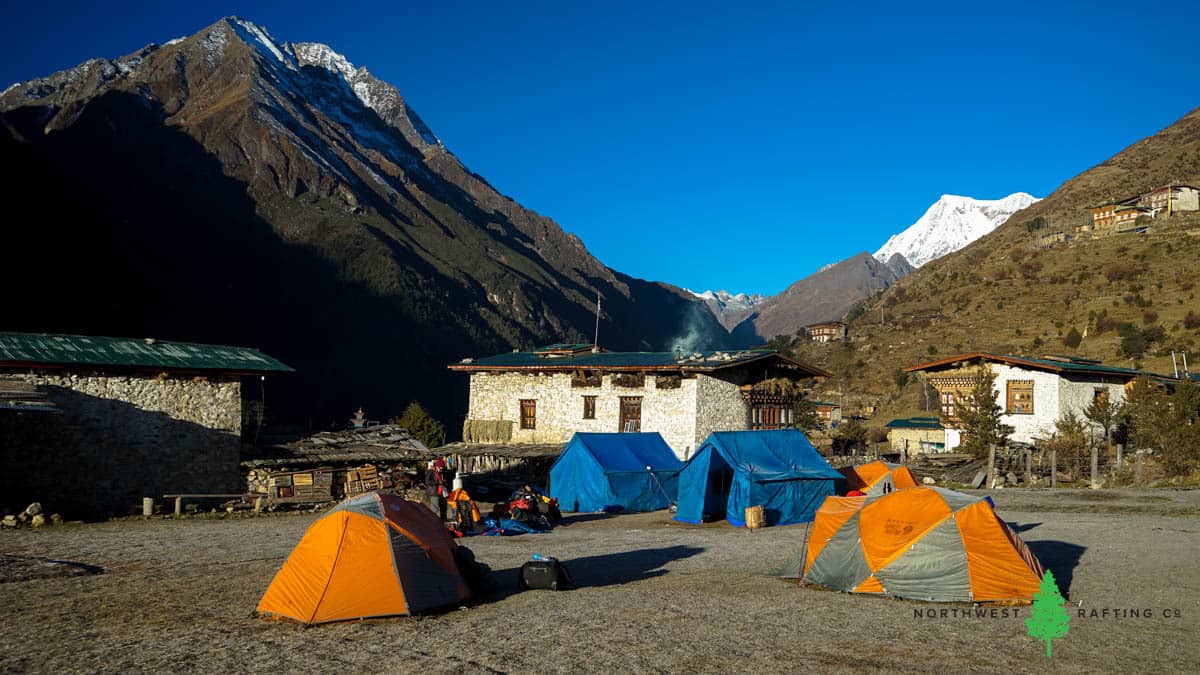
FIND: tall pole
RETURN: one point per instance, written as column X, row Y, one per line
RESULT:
column 596, row 340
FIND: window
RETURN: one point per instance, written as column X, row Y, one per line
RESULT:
column 528, row 413
column 589, row 407
column 947, row 404
column 631, row 413
column 771, row 416
column 1100, row 396
column 1020, row 397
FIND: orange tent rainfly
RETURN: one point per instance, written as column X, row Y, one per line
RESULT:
column 921, row 543
column 374, row 555
column 878, row 477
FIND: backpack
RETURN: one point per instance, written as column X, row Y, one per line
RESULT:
column 547, row 574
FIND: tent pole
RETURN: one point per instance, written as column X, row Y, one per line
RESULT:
column 804, row 554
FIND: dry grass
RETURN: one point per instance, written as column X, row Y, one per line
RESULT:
column 655, row 596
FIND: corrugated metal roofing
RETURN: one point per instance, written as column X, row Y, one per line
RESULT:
column 627, row 360
column 39, row 349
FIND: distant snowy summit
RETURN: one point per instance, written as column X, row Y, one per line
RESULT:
column 950, row 224
column 729, row 308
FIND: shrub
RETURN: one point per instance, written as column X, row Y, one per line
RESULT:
column 1122, row 272
column 1073, row 338
column 1191, row 321
column 1149, row 318
column 418, row 422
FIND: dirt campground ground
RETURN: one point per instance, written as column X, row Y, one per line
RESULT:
column 655, row 596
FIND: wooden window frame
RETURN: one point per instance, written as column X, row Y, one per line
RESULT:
column 621, row 420
column 772, row 416
column 529, row 413
column 1019, row 397
column 947, row 401
column 589, row 407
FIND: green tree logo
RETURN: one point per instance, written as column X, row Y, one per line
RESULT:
column 1048, row 619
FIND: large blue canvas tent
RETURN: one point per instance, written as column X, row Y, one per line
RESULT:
column 778, row 470
column 633, row 471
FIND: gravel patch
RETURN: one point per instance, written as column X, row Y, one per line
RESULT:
column 654, row 596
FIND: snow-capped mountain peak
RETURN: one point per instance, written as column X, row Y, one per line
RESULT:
column 952, row 222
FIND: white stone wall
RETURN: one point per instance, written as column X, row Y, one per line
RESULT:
column 1046, row 409
column 721, row 408
column 1053, row 397
column 1077, row 394
column 670, row 412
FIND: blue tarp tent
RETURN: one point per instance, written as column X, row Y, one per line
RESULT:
column 777, row 470
column 610, row 470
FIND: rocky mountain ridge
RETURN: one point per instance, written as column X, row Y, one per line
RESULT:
column 227, row 187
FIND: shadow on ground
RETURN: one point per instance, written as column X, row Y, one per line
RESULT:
column 610, row 569
column 574, row 518
column 1019, row 528
column 15, row 568
column 1058, row 557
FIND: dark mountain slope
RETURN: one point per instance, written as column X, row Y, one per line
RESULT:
column 228, row 188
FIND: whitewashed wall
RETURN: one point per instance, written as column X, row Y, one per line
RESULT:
column 1053, row 397
column 670, row 412
column 1046, row 406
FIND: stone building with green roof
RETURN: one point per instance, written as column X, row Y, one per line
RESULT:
column 119, row 419
column 548, row 394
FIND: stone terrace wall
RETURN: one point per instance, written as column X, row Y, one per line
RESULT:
column 118, row 439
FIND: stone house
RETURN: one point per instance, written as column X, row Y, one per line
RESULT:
column 546, row 395
column 830, row 331
column 123, row 419
column 914, row 436
column 1033, row 393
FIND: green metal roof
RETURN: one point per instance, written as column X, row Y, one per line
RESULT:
column 915, row 423
column 1065, row 365
column 564, row 347
column 39, row 349
column 628, row 361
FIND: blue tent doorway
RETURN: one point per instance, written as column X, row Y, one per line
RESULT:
column 733, row 470
column 625, row 471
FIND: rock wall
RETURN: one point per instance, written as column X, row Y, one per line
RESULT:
column 670, row 412
column 118, row 439
column 721, row 408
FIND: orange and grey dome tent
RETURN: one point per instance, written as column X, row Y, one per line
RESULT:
column 371, row 556
column 878, row 477
column 922, row 543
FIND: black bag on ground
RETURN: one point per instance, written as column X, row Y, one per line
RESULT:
column 544, row 575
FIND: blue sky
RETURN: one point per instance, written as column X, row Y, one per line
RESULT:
column 720, row 146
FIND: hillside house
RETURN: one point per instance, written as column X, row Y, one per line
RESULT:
column 546, row 395
column 1121, row 216
column 1033, row 393
column 123, row 419
column 830, row 414
column 1171, row 199
column 830, row 331
column 913, row 436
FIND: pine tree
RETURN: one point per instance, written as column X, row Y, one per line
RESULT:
column 979, row 417
column 421, row 425
column 1048, row 619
